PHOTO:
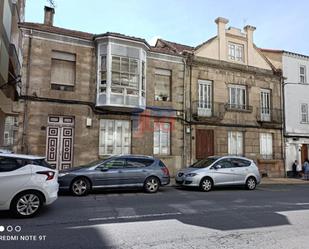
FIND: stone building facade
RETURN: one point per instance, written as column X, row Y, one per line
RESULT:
column 11, row 13
column 233, row 99
column 89, row 96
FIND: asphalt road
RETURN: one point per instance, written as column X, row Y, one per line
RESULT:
column 273, row 216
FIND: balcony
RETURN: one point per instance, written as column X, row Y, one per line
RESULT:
column 14, row 66
column 211, row 112
column 269, row 116
column 238, row 108
column 121, row 74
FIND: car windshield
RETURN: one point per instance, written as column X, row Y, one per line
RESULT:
column 203, row 163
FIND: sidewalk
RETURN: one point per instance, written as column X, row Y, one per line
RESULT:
column 268, row 181
column 283, row 181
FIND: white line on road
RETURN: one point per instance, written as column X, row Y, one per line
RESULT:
column 134, row 216
column 302, row 203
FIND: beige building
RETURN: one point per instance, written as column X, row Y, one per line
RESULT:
column 11, row 13
column 233, row 99
column 89, row 96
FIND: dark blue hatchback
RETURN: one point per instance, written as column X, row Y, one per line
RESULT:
column 145, row 172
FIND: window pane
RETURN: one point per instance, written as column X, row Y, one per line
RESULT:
column 125, row 65
column 115, row 78
column 63, row 72
column 162, row 87
column 115, row 137
column 161, row 138
column 133, row 66
column 115, row 63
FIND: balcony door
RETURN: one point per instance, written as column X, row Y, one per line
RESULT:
column 265, row 105
column 205, row 98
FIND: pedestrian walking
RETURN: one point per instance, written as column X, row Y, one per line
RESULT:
column 294, row 168
column 306, row 169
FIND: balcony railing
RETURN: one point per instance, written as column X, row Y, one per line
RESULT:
column 207, row 110
column 238, row 107
column 269, row 115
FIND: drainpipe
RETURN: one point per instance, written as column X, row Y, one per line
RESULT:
column 25, row 148
column 282, row 100
column 184, row 158
column 190, row 114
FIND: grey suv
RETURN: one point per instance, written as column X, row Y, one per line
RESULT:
column 115, row 172
column 220, row 171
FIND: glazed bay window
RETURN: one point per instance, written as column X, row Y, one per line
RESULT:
column 115, row 137
column 304, row 113
column 237, row 97
column 161, row 138
column 163, row 85
column 266, row 145
column 63, row 70
column 236, row 52
column 235, row 143
column 121, row 77
column 302, row 74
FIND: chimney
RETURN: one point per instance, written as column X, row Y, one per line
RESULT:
column 49, row 15
column 221, row 22
column 250, row 49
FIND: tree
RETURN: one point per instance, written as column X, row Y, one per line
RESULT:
column 52, row 3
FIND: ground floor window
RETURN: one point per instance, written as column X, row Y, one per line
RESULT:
column 235, row 143
column 10, row 131
column 115, row 137
column 266, row 145
column 161, row 139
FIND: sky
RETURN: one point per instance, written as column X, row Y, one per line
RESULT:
column 281, row 24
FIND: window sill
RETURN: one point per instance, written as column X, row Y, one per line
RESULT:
column 247, row 110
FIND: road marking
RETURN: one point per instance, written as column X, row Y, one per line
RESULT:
column 302, row 203
column 183, row 208
column 134, row 216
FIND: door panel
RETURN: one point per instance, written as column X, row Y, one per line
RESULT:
column 13, row 176
column 225, row 175
column 111, row 175
column 204, row 143
column 60, row 141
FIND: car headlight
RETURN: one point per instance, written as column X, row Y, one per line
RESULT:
column 62, row 174
column 191, row 174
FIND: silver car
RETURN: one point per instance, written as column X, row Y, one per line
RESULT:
column 220, row 171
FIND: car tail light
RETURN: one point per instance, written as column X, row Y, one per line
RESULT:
column 165, row 171
column 49, row 174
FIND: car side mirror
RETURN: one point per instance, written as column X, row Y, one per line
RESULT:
column 103, row 169
column 217, row 166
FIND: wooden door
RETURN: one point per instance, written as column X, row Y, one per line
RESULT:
column 59, row 141
column 204, row 143
column 304, row 153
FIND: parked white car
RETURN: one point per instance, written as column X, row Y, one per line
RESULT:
column 26, row 183
column 220, row 171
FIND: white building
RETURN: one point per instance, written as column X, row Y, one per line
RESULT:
column 295, row 71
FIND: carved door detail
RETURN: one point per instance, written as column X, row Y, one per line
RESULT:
column 59, row 141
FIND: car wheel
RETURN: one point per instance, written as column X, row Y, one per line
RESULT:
column 152, row 184
column 206, row 184
column 27, row 204
column 80, row 187
column 251, row 183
